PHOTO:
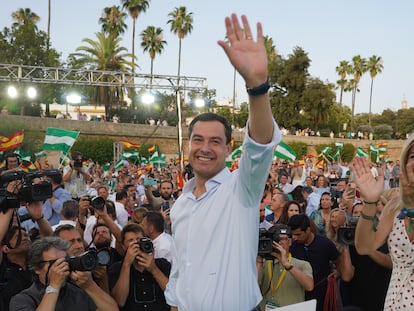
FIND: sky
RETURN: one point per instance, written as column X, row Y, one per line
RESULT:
column 329, row 31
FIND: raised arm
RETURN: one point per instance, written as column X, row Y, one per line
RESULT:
column 248, row 56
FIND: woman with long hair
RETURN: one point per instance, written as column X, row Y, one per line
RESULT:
column 321, row 216
column 395, row 225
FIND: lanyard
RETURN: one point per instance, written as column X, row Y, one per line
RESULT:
column 281, row 277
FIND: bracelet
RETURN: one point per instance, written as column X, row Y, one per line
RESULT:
column 290, row 268
column 34, row 220
column 370, row 203
column 366, row 217
column 259, row 90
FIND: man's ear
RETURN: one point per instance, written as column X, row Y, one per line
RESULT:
column 5, row 249
column 229, row 149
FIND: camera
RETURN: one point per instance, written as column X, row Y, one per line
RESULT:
column 28, row 190
column 77, row 163
column 88, row 261
column 103, row 255
column 97, row 203
column 346, row 235
column 267, row 237
column 145, row 244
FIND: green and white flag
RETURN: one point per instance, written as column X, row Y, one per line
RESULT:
column 361, row 153
column 339, row 145
column 40, row 154
column 59, row 139
column 158, row 159
column 24, row 156
column 237, row 152
column 284, row 151
column 131, row 154
column 337, row 155
column 326, row 150
column 372, row 149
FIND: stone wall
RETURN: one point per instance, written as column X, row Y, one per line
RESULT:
column 166, row 136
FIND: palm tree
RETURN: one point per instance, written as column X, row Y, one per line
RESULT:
column 343, row 69
column 181, row 24
column 134, row 7
column 153, row 43
column 112, row 21
column 374, row 67
column 359, row 67
column 105, row 54
column 25, row 17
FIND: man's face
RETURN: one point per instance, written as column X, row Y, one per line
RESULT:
column 24, row 246
column 145, row 226
column 166, row 190
column 208, row 149
column 276, row 203
column 262, row 211
column 131, row 191
column 285, row 241
column 131, row 237
column 341, row 185
column 300, row 236
column 283, row 179
column 49, row 256
column 77, row 247
column 102, row 237
column 103, row 193
column 12, row 162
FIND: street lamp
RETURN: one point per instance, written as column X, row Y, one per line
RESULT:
column 13, row 92
column 73, row 99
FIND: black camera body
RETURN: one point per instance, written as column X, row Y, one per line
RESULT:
column 88, row 261
column 77, row 163
column 97, row 203
column 266, row 239
column 145, row 244
column 28, row 191
column 346, row 235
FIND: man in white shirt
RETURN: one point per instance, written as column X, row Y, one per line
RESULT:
column 215, row 223
column 313, row 200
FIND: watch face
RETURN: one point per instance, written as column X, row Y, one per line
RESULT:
column 51, row 289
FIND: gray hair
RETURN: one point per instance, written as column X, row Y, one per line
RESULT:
column 35, row 259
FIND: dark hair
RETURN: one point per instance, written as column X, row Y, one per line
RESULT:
column 11, row 155
column 155, row 219
column 167, row 181
column 284, row 218
column 35, row 259
column 209, row 116
column 325, row 193
column 10, row 233
column 133, row 227
column 70, row 209
column 76, row 154
column 121, row 195
column 300, row 221
column 307, row 189
column 110, row 208
column 56, row 179
column 66, row 227
column 297, row 194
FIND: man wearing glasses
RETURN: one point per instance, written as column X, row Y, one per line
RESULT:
column 283, row 279
column 55, row 286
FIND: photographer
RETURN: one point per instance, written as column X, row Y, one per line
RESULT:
column 139, row 280
column 12, row 163
column 283, row 279
column 75, row 176
column 52, row 207
column 51, row 289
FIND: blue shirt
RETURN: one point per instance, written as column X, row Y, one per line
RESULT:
column 51, row 211
column 215, row 237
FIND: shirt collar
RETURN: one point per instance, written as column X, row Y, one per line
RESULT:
column 219, row 178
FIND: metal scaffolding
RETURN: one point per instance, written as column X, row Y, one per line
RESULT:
column 37, row 74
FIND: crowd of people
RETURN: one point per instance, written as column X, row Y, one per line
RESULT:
column 133, row 239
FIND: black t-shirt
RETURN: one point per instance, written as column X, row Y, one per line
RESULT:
column 13, row 279
column 369, row 286
column 144, row 291
column 320, row 253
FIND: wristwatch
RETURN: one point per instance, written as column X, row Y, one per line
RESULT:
column 289, row 268
column 51, row 290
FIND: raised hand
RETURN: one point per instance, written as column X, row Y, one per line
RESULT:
column 245, row 54
column 370, row 187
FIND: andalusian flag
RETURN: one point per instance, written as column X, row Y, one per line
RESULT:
column 236, row 153
column 59, row 139
column 284, row 151
column 339, row 145
column 325, row 151
column 361, row 153
column 12, row 141
column 158, row 159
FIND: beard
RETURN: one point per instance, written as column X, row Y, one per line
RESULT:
column 102, row 244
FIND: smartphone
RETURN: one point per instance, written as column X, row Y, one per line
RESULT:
column 150, row 182
column 165, row 206
column 351, row 191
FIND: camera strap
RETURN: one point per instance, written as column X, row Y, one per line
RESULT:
column 281, row 277
column 19, row 233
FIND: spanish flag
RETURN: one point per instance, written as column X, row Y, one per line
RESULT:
column 151, row 149
column 180, row 181
column 130, row 145
column 11, row 142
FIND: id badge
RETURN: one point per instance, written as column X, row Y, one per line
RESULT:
column 271, row 306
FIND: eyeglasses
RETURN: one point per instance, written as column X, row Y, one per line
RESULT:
column 51, row 261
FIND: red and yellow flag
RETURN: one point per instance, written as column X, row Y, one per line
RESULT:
column 130, row 145
column 11, row 142
column 180, row 181
column 151, row 149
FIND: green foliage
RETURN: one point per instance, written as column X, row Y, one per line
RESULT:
column 383, row 131
column 300, row 148
column 348, row 152
column 98, row 149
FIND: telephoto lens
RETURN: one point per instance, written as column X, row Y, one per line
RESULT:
column 145, row 244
